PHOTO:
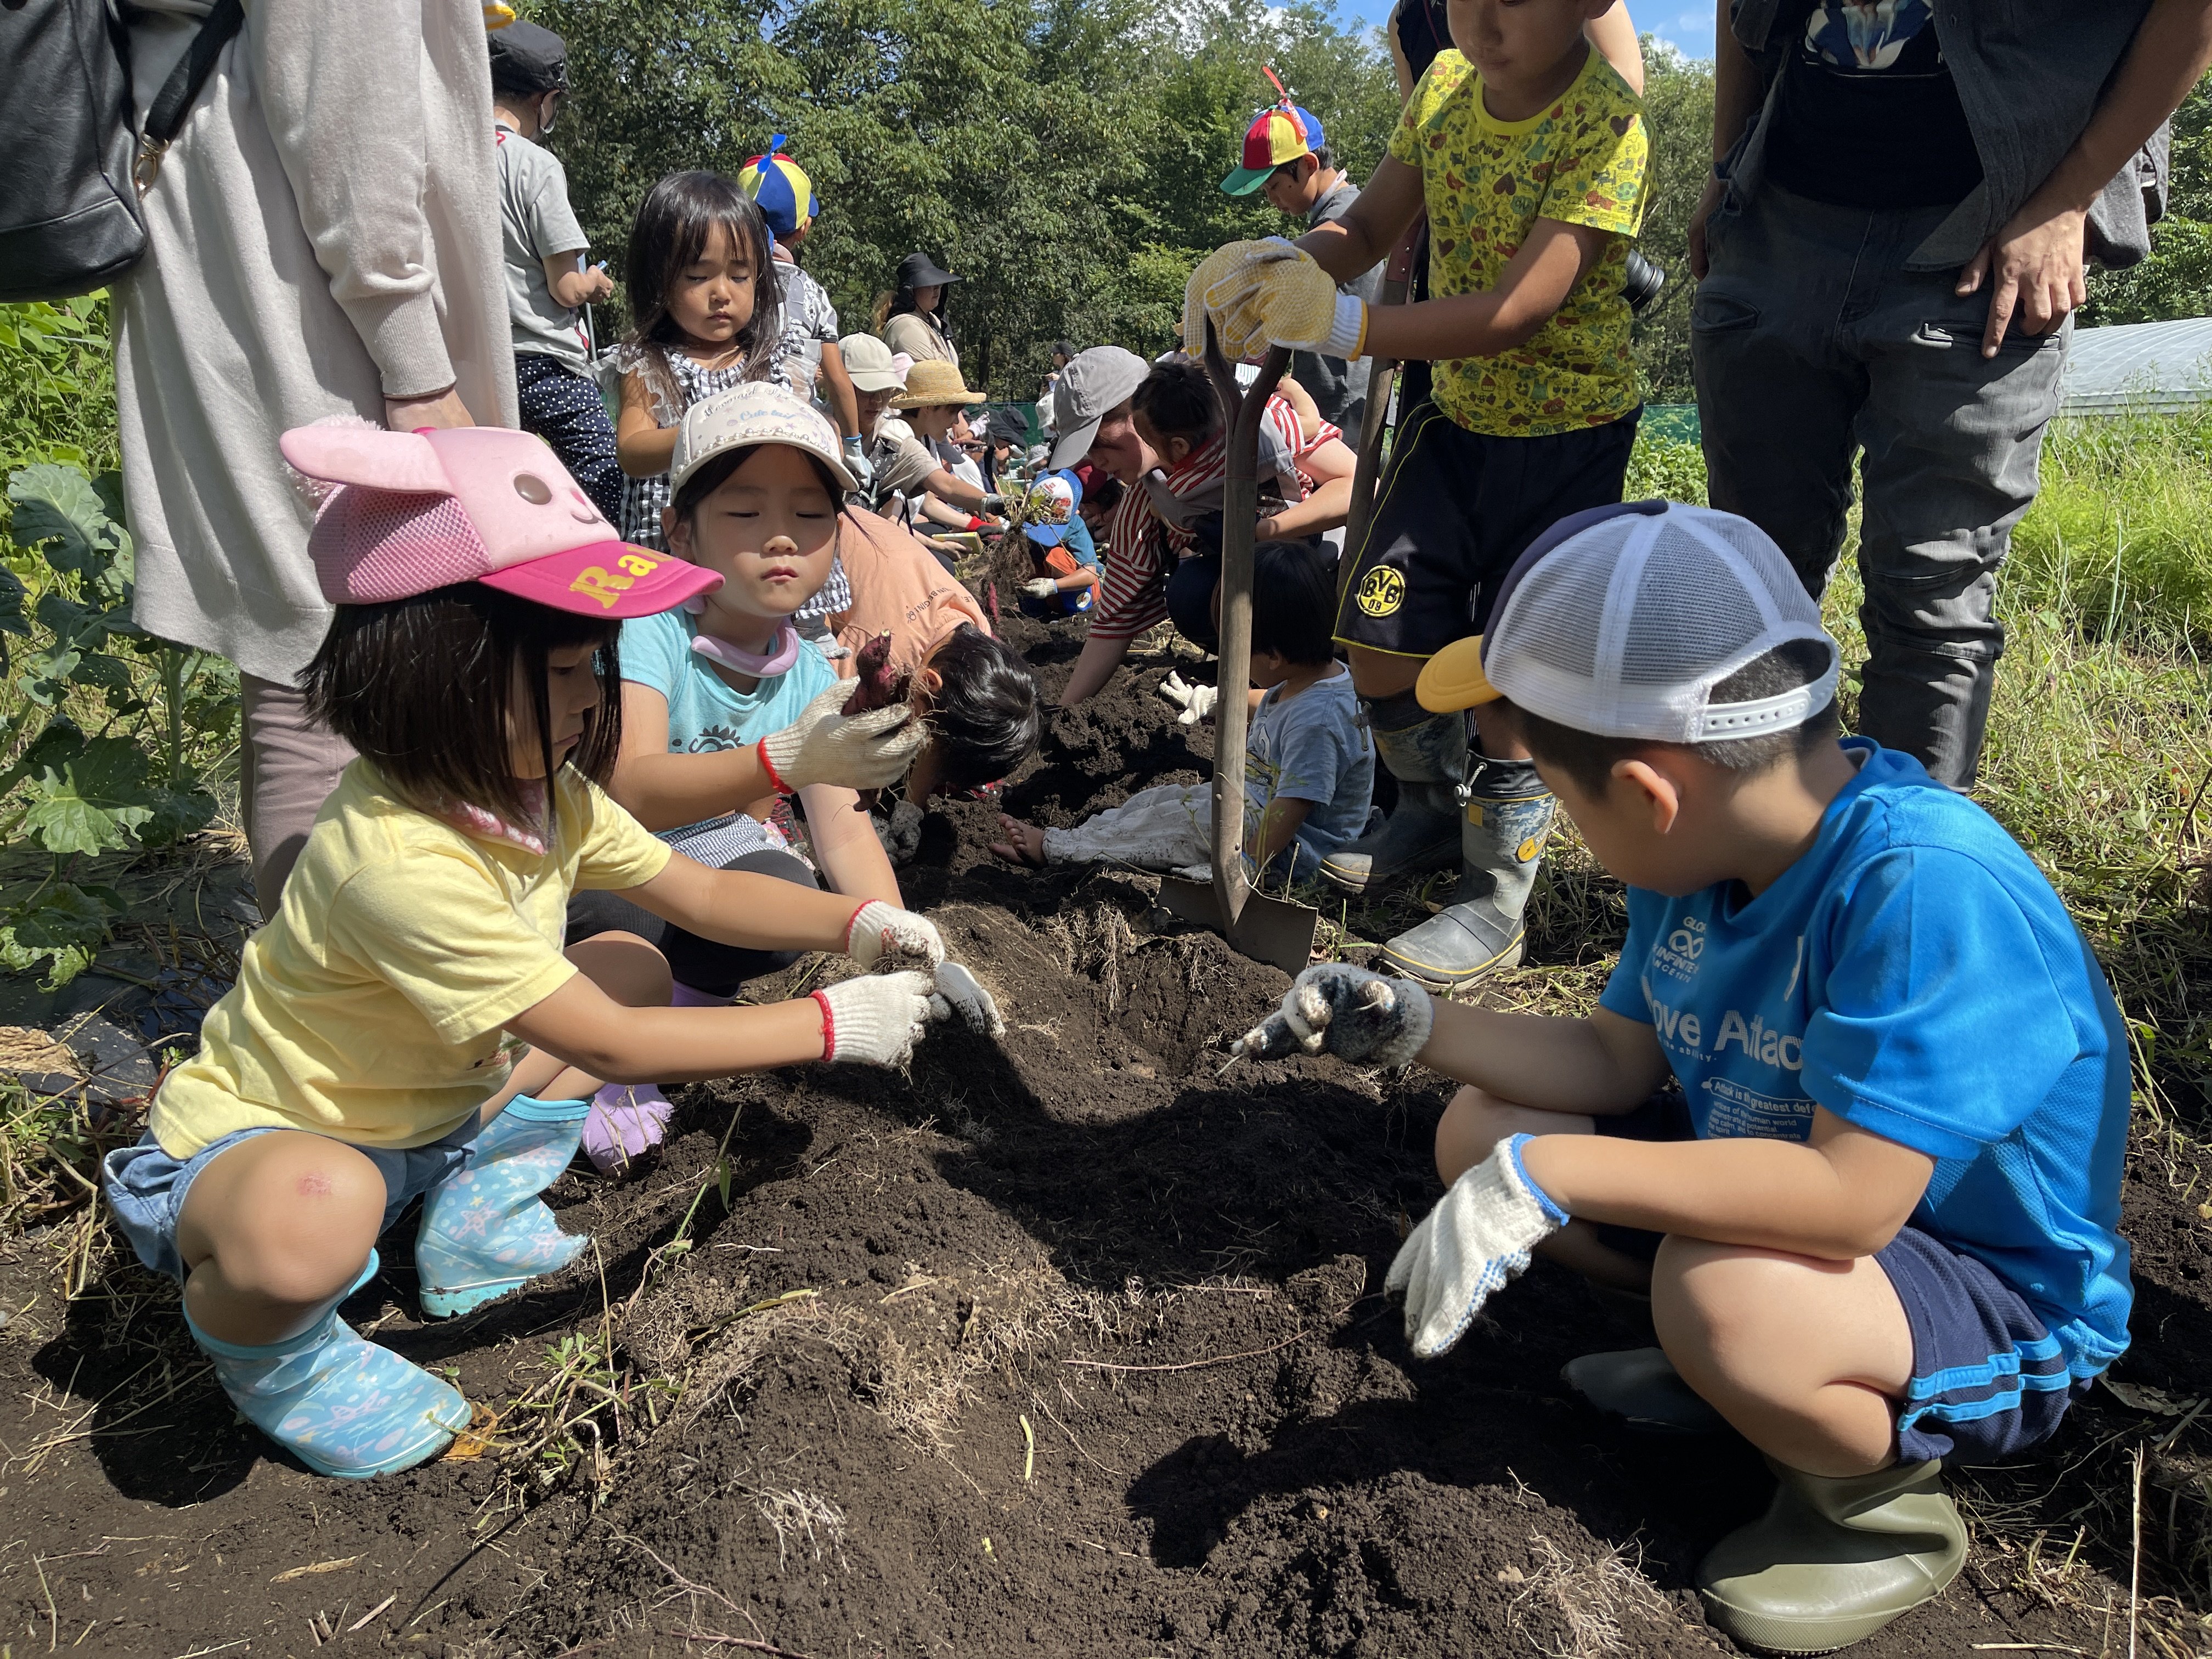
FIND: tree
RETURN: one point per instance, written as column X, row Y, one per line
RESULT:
column 2176, row 281
column 1677, row 111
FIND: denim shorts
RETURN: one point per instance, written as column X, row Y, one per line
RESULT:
column 1989, row 1379
column 147, row 1187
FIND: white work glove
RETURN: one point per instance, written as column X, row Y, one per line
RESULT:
column 1471, row 1246
column 862, row 469
column 1041, row 587
column 1196, row 702
column 1335, row 1008
column 824, row 745
column 959, row 992
column 901, row 834
column 884, row 935
column 875, row 1020
column 1224, row 279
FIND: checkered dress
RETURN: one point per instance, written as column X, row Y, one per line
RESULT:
column 644, row 498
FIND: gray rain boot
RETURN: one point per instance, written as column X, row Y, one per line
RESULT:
column 1427, row 754
column 1509, row 815
column 1831, row 1561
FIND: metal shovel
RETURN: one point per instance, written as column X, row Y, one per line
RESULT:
column 1270, row 930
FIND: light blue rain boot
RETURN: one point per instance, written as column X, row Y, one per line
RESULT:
column 341, row 1405
column 485, row 1231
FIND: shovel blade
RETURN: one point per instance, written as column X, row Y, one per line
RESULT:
column 1270, row 930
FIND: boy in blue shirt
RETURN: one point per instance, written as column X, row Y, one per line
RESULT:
column 1852, row 1107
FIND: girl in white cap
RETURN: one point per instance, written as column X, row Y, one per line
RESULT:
column 408, row 1024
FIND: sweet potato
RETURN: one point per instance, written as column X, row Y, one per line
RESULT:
column 875, row 685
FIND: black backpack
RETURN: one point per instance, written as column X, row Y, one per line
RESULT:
column 68, row 193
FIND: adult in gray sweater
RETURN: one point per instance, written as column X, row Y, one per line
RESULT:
column 323, row 240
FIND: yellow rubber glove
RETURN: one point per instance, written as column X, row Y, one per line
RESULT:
column 497, row 14
column 1300, row 307
column 1231, row 271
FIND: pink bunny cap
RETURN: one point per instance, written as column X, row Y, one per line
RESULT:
column 422, row 510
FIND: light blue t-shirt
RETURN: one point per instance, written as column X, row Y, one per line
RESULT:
column 1312, row 747
column 704, row 713
column 1915, row 974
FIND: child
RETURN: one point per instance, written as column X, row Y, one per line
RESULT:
column 1877, row 1223
column 1063, row 554
column 546, row 277
column 407, row 1025
column 901, row 464
column 1532, row 174
column 757, row 477
column 1309, row 771
column 934, row 402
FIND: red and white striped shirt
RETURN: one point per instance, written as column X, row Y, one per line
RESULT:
column 1142, row 550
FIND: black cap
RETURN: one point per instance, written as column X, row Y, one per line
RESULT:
column 920, row 270
column 527, row 59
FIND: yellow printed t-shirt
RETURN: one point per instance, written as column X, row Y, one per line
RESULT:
column 371, row 1010
column 1486, row 182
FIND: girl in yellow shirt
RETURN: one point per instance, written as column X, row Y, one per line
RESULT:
column 408, row 1023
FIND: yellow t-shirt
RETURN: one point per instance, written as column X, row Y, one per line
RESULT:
column 372, row 1008
column 1580, row 161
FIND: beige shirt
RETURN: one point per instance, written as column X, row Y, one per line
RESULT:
column 323, row 233
column 920, row 338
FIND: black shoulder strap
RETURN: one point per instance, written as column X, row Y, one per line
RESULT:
column 174, row 101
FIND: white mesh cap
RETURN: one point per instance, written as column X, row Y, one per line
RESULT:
column 1624, row 624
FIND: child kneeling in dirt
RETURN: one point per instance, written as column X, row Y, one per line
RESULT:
column 1877, row 1222
column 1309, row 770
column 407, row 1024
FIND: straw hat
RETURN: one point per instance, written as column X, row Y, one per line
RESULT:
column 932, row 384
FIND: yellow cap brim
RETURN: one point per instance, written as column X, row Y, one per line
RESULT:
column 1453, row 679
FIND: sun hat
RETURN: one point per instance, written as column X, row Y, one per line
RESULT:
column 414, row 511
column 527, row 59
column 1065, row 488
column 920, row 270
column 1620, row 621
column 1091, row 387
column 781, row 189
column 758, row 412
column 1279, row 133
column 868, row 363
column 935, row 384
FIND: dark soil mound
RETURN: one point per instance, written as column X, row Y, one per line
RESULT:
column 1069, row 1345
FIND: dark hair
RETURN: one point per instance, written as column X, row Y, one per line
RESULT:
column 715, row 471
column 1588, row 759
column 1294, row 601
column 424, row 689
column 984, row 714
column 677, row 220
column 1178, row 400
column 1106, row 497
column 899, row 302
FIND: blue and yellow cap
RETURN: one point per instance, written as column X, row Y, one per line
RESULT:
column 781, row 189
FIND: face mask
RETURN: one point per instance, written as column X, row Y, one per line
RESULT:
column 547, row 112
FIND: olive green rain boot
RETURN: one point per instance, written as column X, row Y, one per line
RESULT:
column 1641, row 1386
column 1427, row 755
column 1508, row 818
column 1832, row 1561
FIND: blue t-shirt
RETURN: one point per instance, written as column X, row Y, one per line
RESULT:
column 704, row 713
column 1312, row 747
column 1915, row 974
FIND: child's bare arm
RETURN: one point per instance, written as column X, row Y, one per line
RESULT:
column 663, row 791
column 845, row 842
column 1601, row 1063
column 582, row 1026
column 642, row 445
column 1101, row 657
column 1534, row 286
column 1281, row 823
column 1842, row 1194
column 1346, row 247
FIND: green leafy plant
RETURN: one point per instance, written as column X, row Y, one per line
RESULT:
column 107, row 713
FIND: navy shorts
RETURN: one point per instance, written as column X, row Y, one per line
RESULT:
column 1454, row 511
column 146, row 1187
column 1988, row 1380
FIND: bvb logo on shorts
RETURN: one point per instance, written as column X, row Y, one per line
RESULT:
column 1381, row 592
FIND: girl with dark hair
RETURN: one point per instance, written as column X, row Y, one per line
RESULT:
column 911, row 317
column 758, row 478
column 407, row 1024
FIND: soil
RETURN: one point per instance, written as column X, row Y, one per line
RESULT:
column 1071, row 1344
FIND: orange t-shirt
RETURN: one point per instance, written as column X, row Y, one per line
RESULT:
column 898, row 583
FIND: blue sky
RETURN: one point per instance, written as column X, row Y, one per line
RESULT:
column 1688, row 26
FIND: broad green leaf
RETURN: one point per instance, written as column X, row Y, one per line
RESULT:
column 61, row 926
column 92, row 801
column 56, row 507
column 12, row 595
column 177, row 813
column 107, row 673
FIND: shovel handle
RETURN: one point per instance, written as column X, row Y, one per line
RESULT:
column 1242, row 411
column 1382, row 381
